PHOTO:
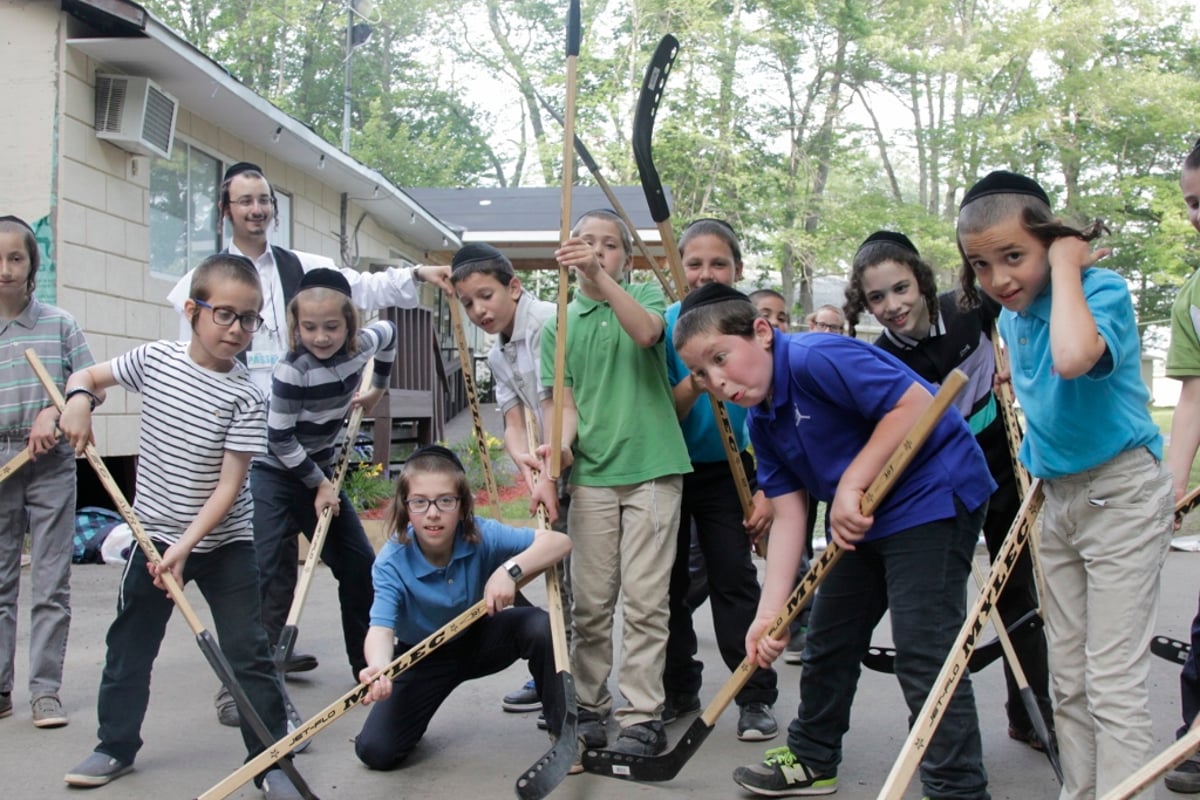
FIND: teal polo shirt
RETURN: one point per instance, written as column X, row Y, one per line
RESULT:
column 415, row 598
column 628, row 432
column 1074, row 425
column 699, row 427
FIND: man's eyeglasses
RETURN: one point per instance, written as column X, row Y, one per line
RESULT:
column 226, row 316
column 419, row 505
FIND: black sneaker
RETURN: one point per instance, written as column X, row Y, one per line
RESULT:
column 642, row 739
column 679, row 704
column 781, row 774
column 5, row 704
column 756, row 723
column 591, row 730
column 523, row 699
column 1185, row 778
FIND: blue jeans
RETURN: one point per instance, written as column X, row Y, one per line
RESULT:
column 283, row 507
column 920, row 575
column 1189, row 682
column 396, row 724
column 228, row 579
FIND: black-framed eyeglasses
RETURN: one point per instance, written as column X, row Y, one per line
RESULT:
column 419, row 505
column 226, row 316
column 826, row 326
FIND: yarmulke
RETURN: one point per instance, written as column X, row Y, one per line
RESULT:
column 17, row 220
column 477, row 251
column 893, row 237
column 324, row 278
column 708, row 294
column 1004, row 182
column 440, row 452
column 239, row 168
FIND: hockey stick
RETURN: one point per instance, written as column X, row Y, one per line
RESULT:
column 1187, row 503
column 564, row 230
column 1032, row 710
column 15, row 463
column 666, row 766
column 341, row 706
column 925, row 725
column 883, row 659
column 468, row 370
column 1172, row 757
column 208, row 645
column 643, row 132
column 586, row 157
column 287, row 636
column 549, row 770
column 1172, row 650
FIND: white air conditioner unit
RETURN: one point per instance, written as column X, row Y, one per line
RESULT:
column 135, row 114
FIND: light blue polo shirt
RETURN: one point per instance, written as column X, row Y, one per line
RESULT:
column 415, row 598
column 1074, row 425
column 828, row 393
column 699, row 427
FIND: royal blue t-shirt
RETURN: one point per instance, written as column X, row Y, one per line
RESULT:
column 828, row 393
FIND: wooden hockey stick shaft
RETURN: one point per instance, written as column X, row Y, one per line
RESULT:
column 666, row 766
column 208, row 645
column 15, row 463
column 549, row 770
column 925, row 724
column 341, row 706
column 468, row 370
column 1182, row 749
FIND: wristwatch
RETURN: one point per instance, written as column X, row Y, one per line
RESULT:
column 80, row 390
column 513, row 568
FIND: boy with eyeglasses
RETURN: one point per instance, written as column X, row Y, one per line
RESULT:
column 202, row 422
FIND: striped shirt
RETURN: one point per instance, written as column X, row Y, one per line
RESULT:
column 190, row 417
column 309, row 399
column 58, row 341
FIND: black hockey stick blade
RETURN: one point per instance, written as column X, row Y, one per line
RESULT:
column 650, row 769
column 643, row 126
column 883, row 659
column 544, row 776
column 1172, row 650
column 1034, row 712
column 217, row 660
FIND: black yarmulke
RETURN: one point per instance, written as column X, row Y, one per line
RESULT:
column 893, row 237
column 1004, row 182
column 239, row 168
column 440, row 452
column 324, row 278
column 477, row 251
column 708, row 294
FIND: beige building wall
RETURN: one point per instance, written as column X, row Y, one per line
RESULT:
column 97, row 198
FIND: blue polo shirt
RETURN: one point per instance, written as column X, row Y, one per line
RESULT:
column 415, row 598
column 699, row 427
column 1074, row 425
column 828, row 393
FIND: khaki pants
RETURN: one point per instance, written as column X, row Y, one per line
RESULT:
column 623, row 540
column 1105, row 535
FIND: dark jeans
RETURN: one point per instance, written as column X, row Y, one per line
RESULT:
column 920, row 575
column 1189, row 681
column 396, row 724
column 283, row 506
column 710, row 501
column 228, row 579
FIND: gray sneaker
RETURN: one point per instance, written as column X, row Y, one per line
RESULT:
column 277, row 785
column 48, row 712
column 1185, row 778
column 97, row 770
column 227, row 710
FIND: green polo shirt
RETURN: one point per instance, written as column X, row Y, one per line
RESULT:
column 628, row 432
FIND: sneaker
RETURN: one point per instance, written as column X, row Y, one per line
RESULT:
column 5, row 704
column 227, row 710
column 756, row 723
column 781, row 774
column 48, row 712
column 1029, row 736
column 541, row 722
column 642, row 739
column 794, row 652
column 591, row 732
column 1185, row 778
column 300, row 662
column 277, row 785
column 523, row 699
column 96, row 770
column 679, row 704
